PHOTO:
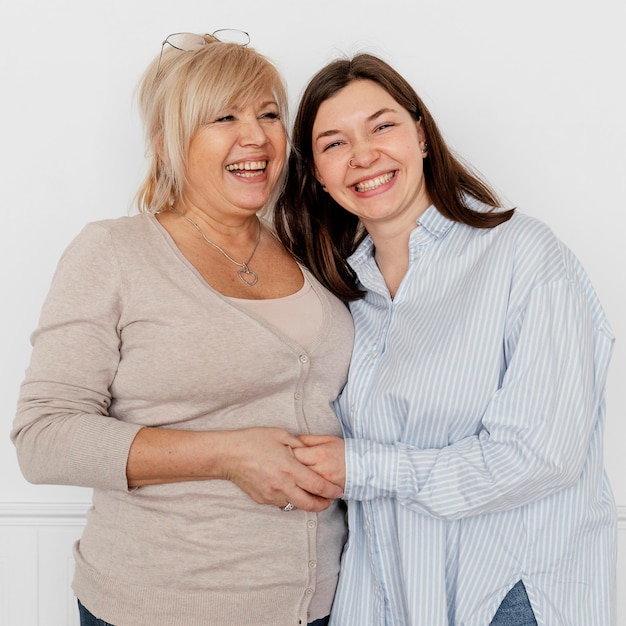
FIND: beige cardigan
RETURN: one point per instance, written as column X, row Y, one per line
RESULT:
column 131, row 336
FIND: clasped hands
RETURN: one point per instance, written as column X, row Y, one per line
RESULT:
column 274, row 467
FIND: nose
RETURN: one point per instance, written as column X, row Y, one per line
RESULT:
column 251, row 132
column 364, row 154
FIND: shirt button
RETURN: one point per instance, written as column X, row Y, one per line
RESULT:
column 304, row 358
column 312, row 564
column 308, row 592
column 297, row 395
column 311, row 523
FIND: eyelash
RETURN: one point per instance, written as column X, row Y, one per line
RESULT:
column 339, row 142
column 331, row 145
column 270, row 115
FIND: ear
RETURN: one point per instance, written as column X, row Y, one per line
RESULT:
column 421, row 137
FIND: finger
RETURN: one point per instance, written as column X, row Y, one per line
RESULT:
column 308, row 502
column 290, row 440
column 313, row 483
column 306, row 455
column 316, row 440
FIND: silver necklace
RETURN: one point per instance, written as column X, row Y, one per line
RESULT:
column 246, row 275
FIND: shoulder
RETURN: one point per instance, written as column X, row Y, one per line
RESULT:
column 543, row 260
column 130, row 232
column 120, row 228
column 534, row 248
column 528, row 230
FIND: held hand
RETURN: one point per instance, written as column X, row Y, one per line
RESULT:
column 326, row 455
column 262, row 463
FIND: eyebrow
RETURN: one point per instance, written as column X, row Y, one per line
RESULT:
column 371, row 118
column 235, row 106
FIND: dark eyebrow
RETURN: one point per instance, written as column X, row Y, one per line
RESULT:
column 371, row 118
column 327, row 133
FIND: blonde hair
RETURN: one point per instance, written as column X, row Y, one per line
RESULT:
column 182, row 90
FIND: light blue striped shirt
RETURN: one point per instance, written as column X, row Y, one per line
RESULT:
column 473, row 416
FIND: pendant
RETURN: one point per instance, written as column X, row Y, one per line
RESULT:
column 247, row 276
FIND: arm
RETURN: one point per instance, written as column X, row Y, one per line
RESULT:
column 260, row 461
column 536, row 429
column 64, row 432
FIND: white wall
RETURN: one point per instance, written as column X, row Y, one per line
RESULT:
column 532, row 93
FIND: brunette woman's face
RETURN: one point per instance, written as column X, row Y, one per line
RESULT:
column 367, row 151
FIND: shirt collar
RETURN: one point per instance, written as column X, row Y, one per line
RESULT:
column 432, row 224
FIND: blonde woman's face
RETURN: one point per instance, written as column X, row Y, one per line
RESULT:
column 235, row 160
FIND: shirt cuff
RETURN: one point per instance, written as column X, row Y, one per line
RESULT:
column 100, row 452
column 371, row 470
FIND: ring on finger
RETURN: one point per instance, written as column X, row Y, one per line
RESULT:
column 289, row 507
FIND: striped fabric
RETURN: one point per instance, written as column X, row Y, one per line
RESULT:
column 473, row 416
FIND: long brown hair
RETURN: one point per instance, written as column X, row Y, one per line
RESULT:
column 317, row 230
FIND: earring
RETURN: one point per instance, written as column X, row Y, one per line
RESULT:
column 353, row 167
column 425, row 148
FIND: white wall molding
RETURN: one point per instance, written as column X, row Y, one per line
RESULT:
column 43, row 513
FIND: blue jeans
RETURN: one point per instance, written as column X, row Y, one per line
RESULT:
column 515, row 609
column 87, row 619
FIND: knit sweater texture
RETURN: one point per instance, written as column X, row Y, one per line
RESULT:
column 132, row 336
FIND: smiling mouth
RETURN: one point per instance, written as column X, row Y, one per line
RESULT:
column 247, row 169
column 374, row 183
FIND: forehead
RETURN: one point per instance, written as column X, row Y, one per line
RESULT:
column 359, row 99
column 256, row 99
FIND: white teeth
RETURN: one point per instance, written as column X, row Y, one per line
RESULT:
column 248, row 165
column 368, row 185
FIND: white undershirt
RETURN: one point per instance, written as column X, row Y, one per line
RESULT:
column 298, row 315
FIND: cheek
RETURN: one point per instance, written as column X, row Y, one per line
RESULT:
column 281, row 141
column 326, row 172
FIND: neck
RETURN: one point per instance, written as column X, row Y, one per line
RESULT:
column 391, row 252
column 247, row 276
column 228, row 229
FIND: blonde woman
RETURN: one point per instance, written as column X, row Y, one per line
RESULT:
column 179, row 354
